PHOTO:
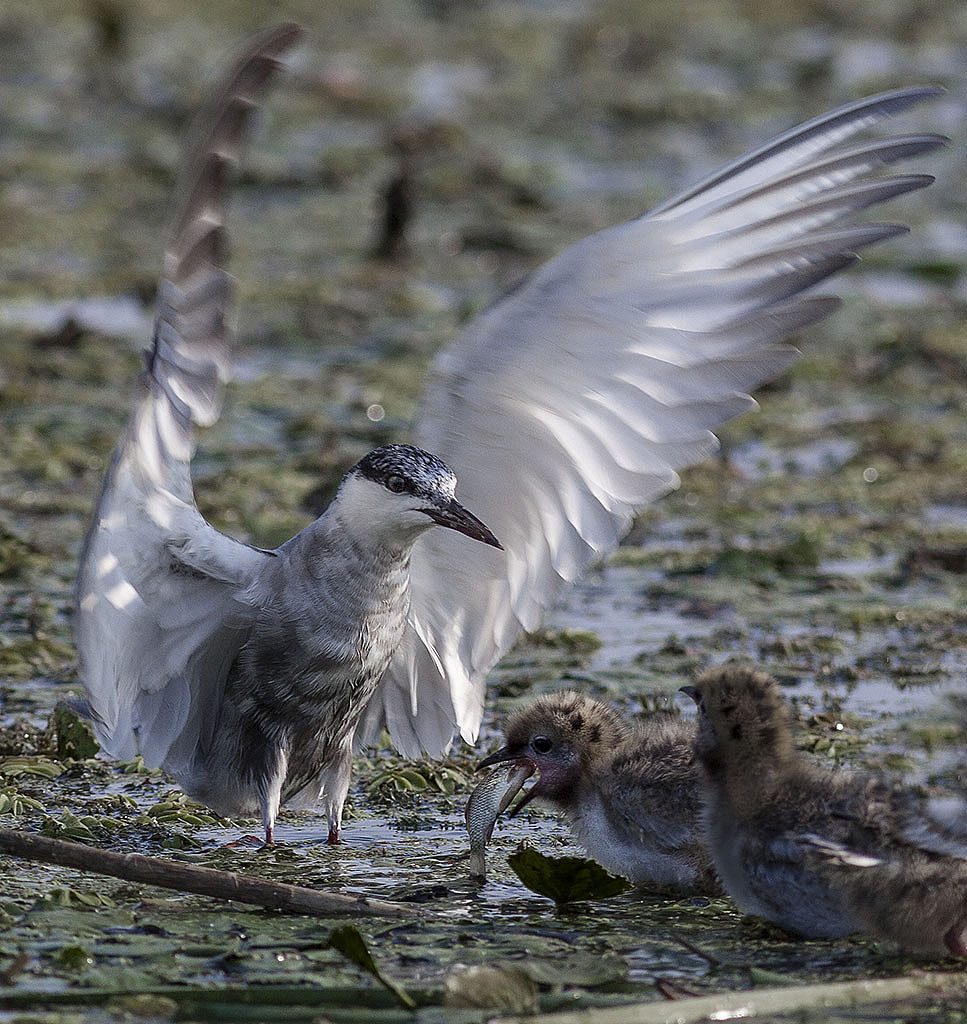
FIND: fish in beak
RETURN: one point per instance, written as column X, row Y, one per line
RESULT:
column 526, row 769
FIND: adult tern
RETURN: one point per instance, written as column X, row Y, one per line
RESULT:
column 564, row 408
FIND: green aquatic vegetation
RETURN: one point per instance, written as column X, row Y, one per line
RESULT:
column 74, row 958
column 81, row 828
column 141, row 1007
column 27, row 657
column 136, row 767
column 814, row 578
column 826, row 735
column 67, row 897
column 15, row 803
column 179, row 809
column 18, row 557
column 36, row 767
column 935, row 735
column 351, row 944
column 835, row 750
column 69, row 736
column 800, row 554
column 565, row 879
column 571, row 641
column 415, row 778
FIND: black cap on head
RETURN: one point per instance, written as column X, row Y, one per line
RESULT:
column 405, row 469
column 420, row 472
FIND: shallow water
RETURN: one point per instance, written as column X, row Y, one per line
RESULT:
column 827, row 542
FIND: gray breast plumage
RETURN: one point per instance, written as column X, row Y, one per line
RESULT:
column 330, row 617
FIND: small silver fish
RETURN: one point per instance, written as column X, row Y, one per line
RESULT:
column 486, row 804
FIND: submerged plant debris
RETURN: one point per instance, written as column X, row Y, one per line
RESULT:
column 828, row 541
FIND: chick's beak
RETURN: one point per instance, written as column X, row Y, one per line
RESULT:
column 498, row 757
column 525, row 769
column 455, row 517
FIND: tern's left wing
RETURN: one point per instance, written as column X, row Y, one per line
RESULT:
column 574, row 401
column 161, row 594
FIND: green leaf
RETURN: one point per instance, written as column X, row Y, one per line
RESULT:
column 41, row 767
column 565, row 879
column 15, row 803
column 68, row 826
column 64, row 896
column 352, row 945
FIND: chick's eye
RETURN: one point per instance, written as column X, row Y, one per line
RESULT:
column 541, row 745
column 396, row 484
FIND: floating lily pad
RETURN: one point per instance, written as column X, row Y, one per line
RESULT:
column 565, row 879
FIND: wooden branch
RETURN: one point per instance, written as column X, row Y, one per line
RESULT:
column 170, row 874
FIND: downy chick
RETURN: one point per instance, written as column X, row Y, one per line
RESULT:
column 819, row 852
column 630, row 793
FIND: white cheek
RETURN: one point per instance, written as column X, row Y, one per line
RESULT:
column 413, row 519
column 377, row 515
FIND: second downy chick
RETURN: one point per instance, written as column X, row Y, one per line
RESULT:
column 821, row 853
column 630, row 792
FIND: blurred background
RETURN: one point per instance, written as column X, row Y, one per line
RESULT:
column 419, row 159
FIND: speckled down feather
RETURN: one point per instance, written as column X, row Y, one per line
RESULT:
column 818, row 851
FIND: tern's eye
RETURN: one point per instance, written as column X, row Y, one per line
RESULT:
column 541, row 745
column 396, row 484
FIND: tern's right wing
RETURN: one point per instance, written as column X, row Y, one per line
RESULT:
column 574, row 401
column 163, row 599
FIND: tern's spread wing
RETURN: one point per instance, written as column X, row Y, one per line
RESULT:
column 571, row 403
column 160, row 606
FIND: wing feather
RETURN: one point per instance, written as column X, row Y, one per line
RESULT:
column 162, row 597
column 571, row 403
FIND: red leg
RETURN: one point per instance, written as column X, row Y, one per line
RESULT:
column 333, row 836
